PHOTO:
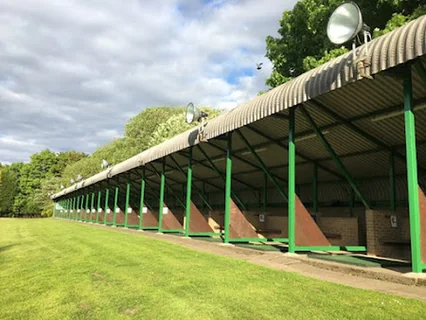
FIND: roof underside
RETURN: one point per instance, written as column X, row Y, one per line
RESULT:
column 342, row 104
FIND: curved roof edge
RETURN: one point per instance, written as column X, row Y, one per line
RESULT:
column 397, row 47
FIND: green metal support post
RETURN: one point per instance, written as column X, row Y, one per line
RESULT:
column 114, row 224
column 126, row 214
column 99, row 206
column 188, row 193
column 106, row 205
column 161, row 204
column 78, row 207
column 81, row 207
column 142, row 199
column 92, row 207
column 315, row 188
column 412, row 179
column 291, row 183
column 87, row 206
column 228, row 188
column 392, row 182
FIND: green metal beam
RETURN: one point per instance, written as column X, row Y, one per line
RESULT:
column 194, row 186
column 161, row 202
column 99, row 206
column 87, row 205
column 412, row 178
column 106, row 205
column 126, row 214
column 114, row 223
column 247, row 161
column 336, row 158
column 317, row 248
column 142, row 200
column 188, row 193
column 282, row 145
column 262, row 164
column 220, row 174
column 228, row 188
column 291, row 182
column 357, row 130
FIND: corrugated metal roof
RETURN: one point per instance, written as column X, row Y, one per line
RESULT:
column 388, row 51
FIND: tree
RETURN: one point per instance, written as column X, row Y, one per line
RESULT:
column 303, row 42
column 8, row 189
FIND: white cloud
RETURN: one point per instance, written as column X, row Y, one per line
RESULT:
column 73, row 71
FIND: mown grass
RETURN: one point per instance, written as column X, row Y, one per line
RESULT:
column 58, row 270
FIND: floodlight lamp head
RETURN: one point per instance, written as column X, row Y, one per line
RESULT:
column 345, row 23
column 79, row 177
column 72, row 181
column 194, row 114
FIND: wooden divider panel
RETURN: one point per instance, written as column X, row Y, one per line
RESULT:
column 422, row 200
column 101, row 216
column 307, row 231
column 197, row 222
column 170, row 222
column 133, row 217
column 240, row 227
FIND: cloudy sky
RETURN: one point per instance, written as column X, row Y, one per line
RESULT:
column 72, row 72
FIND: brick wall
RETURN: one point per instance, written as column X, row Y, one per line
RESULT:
column 340, row 231
column 384, row 240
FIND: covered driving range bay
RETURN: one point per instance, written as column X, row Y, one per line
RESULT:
column 330, row 161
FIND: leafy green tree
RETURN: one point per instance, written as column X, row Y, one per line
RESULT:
column 8, row 189
column 303, row 43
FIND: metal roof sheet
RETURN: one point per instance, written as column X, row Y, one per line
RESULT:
column 388, row 51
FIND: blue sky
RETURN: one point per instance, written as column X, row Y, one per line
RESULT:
column 74, row 71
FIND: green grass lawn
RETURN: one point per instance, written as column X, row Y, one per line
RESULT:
column 58, row 270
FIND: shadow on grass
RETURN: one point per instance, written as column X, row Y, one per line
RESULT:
column 4, row 248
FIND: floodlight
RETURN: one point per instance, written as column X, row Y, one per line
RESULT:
column 104, row 164
column 62, row 186
column 193, row 113
column 72, row 181
column 345, row 23
column 79, row 177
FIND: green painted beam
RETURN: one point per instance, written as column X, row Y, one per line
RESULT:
column 106, row 205
column 200, row 193
column 262, row 164
column 142, row 199
column 202, row 234
column 282, row 145
column 220, row 174
column 161, row 200
column 114, row 223
column 336, row 158
column 228, row 188
column 188, row 193
column 99, row 206
column 291, row 182
column 282, row 240
column 317, row 248
column 412, row 175
column 354, row 248
column 126, row 206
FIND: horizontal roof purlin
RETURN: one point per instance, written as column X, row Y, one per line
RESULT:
column 385, row 52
